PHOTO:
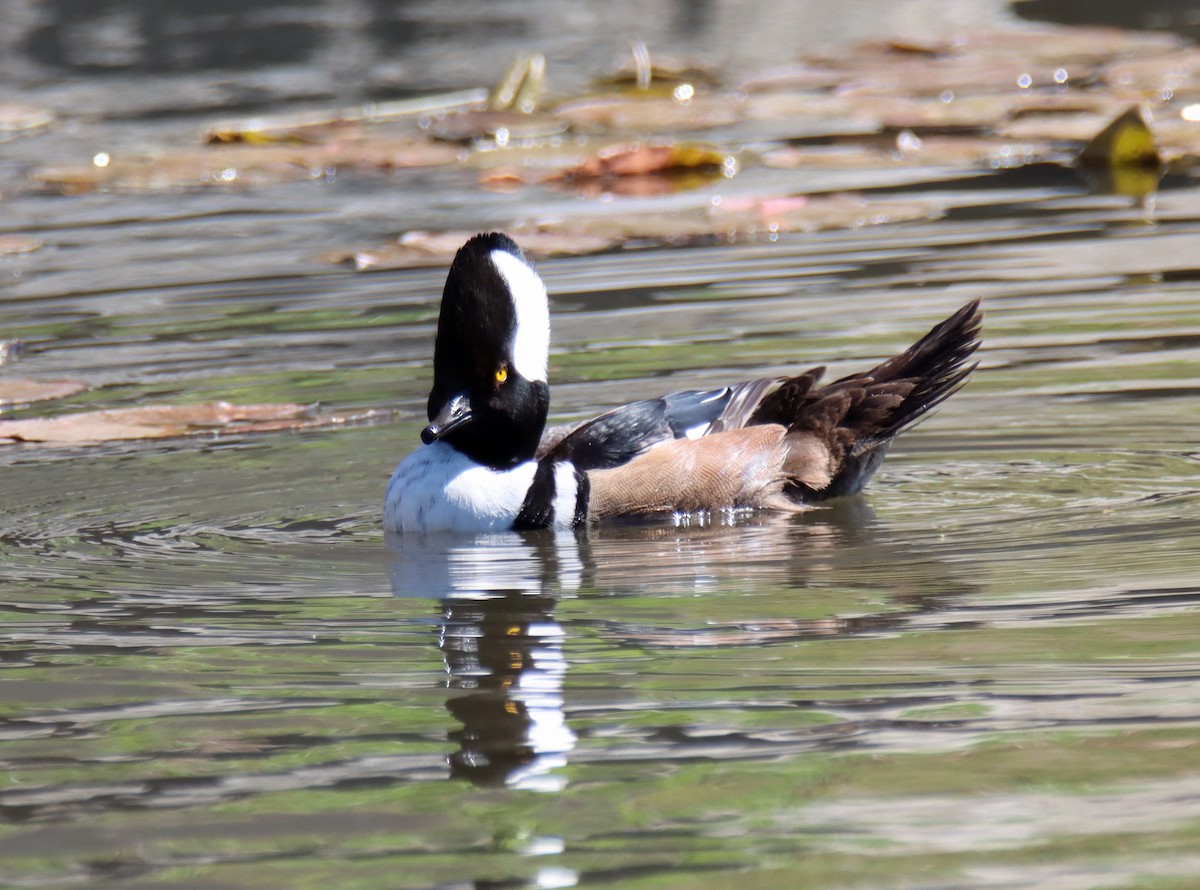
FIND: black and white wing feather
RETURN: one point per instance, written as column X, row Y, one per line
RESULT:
column 619, row 435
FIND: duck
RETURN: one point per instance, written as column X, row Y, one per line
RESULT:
column 488, row 462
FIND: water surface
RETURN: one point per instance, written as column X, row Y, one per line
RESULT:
column 984, row 673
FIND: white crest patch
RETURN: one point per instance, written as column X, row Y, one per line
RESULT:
column 531, row 344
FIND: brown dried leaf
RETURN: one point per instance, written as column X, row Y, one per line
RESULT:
column 501, row 126
column 913, row 151
column 991, row 60
column 315, row 126
column 654, row 114
column 663, row 72
column 803, row 213
column 165, row 421
column 244, row 164
column 1170, row 72
column 18, row 391
column 17, row 118
column 423, row 250
column 640, row 160
column 733, row 218
column 14, row 244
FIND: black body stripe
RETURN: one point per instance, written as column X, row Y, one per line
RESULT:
column 583, row 496
column 537, row 511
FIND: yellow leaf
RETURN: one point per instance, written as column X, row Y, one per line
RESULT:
column 1126, row 141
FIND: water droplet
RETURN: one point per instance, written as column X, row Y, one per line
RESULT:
column 101, row 159
column 684, row 92
column 1024, row 81
column 1061, row 75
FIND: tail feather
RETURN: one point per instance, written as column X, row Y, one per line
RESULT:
column 852, row 421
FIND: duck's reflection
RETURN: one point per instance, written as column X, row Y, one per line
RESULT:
column 504, row 656
column 503, row 647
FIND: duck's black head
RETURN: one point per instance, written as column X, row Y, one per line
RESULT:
column 490, row 396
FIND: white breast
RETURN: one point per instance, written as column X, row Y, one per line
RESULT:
column 437, row 488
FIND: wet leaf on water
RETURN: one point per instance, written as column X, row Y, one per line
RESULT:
column 17, row 118
column 422, row 250
column 502, row 127
column 1144, row 75
column 1046, row 128
column 732, row 219
column 646, row 185
column 257, row 132
column 643, row 70
column 735, row 218
column 1010, row 60
column 14, row 244
column 803, row 213
column 308, row 126
column 912, row 150
column 642, row 159
column 504, row 180
column 1126, row 141
column 166, row 421
column 19, row 391
column 633, row 169
column 246, row 165
column 653, row 114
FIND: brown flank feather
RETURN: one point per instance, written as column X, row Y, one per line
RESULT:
column 800, row 444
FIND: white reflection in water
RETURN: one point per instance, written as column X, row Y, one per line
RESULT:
column 502, row 646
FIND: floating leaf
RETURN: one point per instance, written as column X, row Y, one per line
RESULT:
column 422, row 250
column 910, row 150
column 13, row 244
column 803, row 213
column 17, row 119
column 18, row 391
column 307, row 126
column 641, row 159
column 247, row 165
column 731, row 219
column 1147, row 74
column 502, row 127
column 654, row 114
column 1125, row 142
column 642, row 71
column 166, row 421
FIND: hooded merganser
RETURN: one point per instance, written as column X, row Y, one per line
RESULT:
column 488, row 462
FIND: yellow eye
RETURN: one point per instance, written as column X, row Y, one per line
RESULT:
column 502, row 373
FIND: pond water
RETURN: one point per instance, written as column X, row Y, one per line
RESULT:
column 984, row 673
